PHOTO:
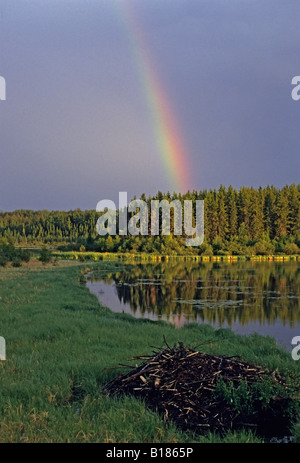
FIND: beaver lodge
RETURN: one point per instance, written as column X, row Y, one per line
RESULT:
column 199, row 392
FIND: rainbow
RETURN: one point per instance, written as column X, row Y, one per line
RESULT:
column 169, row 141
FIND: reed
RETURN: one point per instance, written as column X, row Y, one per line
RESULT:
column 144, row 257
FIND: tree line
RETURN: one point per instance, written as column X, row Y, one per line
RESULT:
column 264, row 220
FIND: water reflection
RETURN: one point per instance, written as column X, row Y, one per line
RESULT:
column 245, row 296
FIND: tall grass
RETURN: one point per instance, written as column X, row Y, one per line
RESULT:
column 62, row 346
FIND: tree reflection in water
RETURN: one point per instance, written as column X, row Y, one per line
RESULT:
column 222, row 294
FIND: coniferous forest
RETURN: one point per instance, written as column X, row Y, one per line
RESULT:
column 244, row 221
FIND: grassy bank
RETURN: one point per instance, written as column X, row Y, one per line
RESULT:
column 62, row 345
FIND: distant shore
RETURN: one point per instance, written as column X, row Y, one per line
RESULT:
column 73, row 255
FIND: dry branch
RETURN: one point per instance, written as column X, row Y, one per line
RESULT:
column 180, row 383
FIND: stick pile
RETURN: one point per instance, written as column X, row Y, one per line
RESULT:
column 179, row 383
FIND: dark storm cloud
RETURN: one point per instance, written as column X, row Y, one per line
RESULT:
column 76, row 129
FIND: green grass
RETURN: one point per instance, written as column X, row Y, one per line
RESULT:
column 62, row 346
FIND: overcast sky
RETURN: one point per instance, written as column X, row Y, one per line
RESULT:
column 76, row 128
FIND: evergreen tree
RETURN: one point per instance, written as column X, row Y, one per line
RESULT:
column 282, row 216
column 269, row 211
column 256, row 214
column 222, row 220
column 232, row 213
column 266, row 216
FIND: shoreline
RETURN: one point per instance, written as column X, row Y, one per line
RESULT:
column 75, row 255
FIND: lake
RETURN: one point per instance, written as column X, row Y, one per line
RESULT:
column 248, row 297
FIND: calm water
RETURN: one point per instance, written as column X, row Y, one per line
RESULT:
column 262, row 297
